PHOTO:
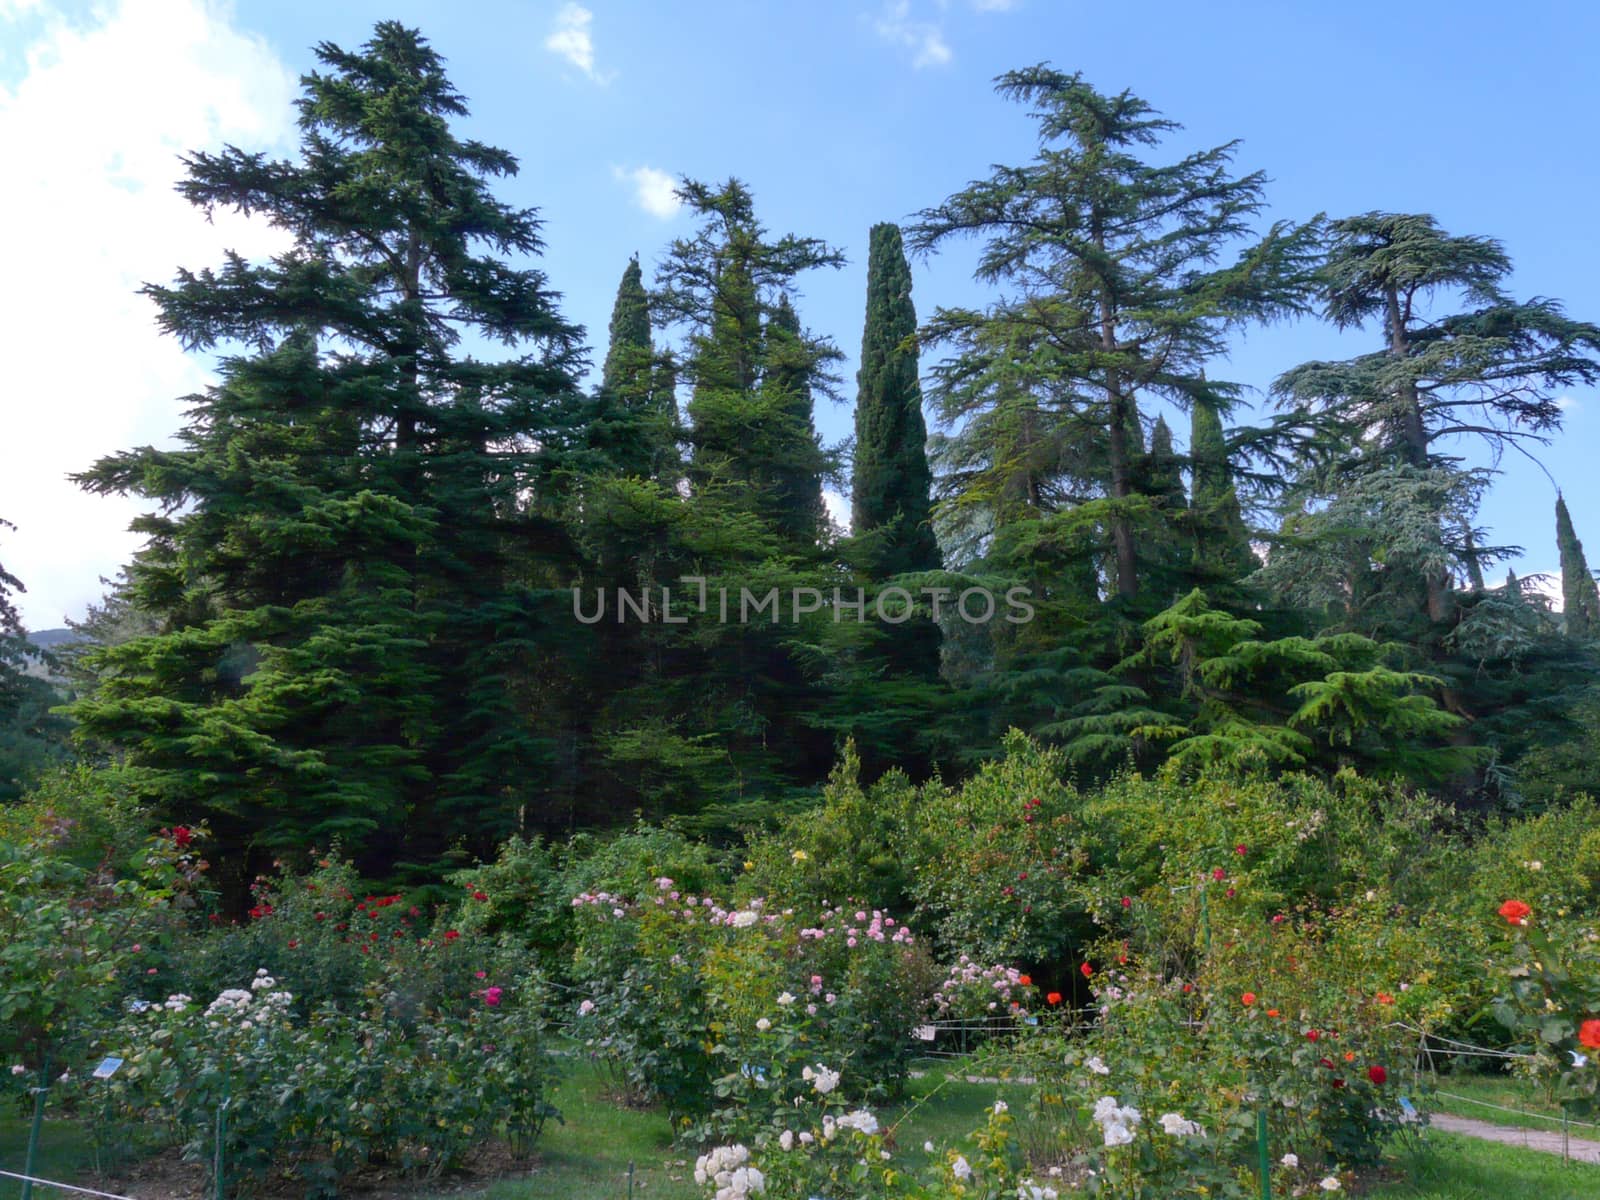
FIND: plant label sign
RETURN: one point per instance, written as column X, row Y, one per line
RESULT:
column 107, row 1068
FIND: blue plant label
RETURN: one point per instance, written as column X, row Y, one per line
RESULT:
column 107, row 1068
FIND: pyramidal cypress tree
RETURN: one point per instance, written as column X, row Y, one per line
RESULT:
column 1222, row 547
column 1580, row 599
column 628, row 354
column 891, row 484
column 633, row 422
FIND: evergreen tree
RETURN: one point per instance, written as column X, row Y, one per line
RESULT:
column 1580, row 599
column 1491, row 370
column 797, row 484
column 752, row 369
column 891, row 484
column 351, row 625
column 750, row 691
column 1222, row 544
column 1123, row 277
column 634, row 421
column 1115, row 264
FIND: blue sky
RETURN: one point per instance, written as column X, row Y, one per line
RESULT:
column 838, row 114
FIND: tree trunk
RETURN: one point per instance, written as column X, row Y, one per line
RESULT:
column 1415, row 435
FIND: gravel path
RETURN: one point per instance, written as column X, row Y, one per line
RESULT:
column 1579, row 1149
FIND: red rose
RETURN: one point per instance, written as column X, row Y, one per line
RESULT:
column 1087, row 970
column 1378, row 1075
column 1219, row 874
column 1053, row 998
column 1589, row 1034
column 182, row 836
column 450, row 935
column 1515, row 912
column 1312, row 1035
column 1240, row 850
column 1127, row 902
column 1025, row 980
column 1247, row 999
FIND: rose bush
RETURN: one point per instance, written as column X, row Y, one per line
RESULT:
column 318, row 1097
column 708, row 1008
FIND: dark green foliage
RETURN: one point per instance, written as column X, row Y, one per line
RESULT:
column 634, row 421
column 344, row 628
column 890, row 496
column 1579, row 596
column 1222, row 543
column 32, row 738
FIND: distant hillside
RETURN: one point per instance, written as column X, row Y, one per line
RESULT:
column 47, row 639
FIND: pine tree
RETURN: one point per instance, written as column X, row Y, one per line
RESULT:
column 891, row 485
column 339, row 551
column 1580, row 599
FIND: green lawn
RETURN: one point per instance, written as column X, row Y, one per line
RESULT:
column 1462, row 1168
column 1505, row 1100
column 588, row 1157
column 63, row 1154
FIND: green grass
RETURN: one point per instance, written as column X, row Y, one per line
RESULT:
column 587, row 1158
column 1531, row 1105
column 63, row 1154
column 1451, row 1167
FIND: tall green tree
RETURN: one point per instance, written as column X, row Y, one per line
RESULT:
column 1122, row 271
column 750, row 690
column 1114, row 265
column 751, row 368
column 891, row 485
column 339, row 549
column 1490, row 369
column 1579, row 596
column 1222, row 543
column 634, row 420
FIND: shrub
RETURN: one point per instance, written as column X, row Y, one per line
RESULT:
column 710, row 1010
column 320, row 1096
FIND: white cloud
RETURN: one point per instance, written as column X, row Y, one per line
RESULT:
column 838, row 506
column 10, row 10
column 93, row 127
column 994, row 5
column 653, row 190
column 1568, row 403
column 924, row 39
column 571, row 40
